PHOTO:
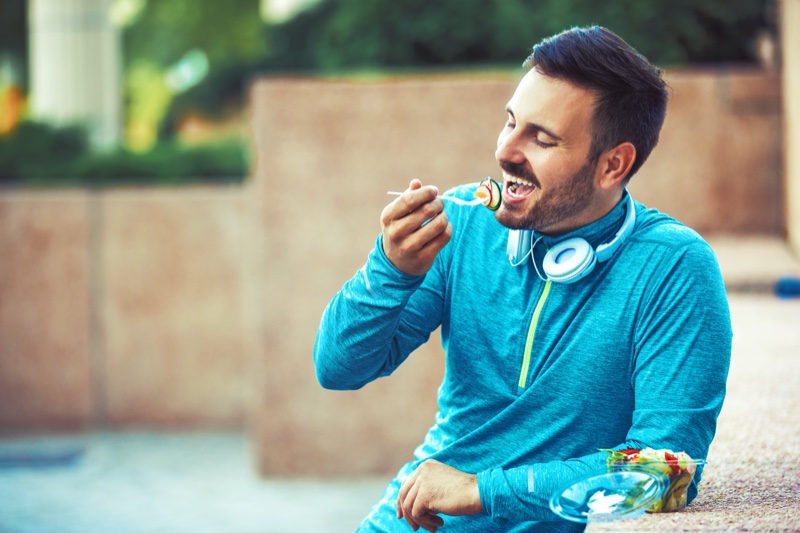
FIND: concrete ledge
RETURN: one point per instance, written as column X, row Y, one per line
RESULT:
column 753, row 263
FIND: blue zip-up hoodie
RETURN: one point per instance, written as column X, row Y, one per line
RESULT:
column 539, row 376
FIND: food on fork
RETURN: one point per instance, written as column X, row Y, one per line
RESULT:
column 489, row 193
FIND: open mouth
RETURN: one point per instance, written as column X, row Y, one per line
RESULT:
column 517, row 188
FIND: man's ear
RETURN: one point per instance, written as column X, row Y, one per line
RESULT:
column 615, row 164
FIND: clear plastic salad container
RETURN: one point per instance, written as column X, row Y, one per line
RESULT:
column 637, row 481
column 677, row 469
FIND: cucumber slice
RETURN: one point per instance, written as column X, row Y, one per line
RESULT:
column 495, row 193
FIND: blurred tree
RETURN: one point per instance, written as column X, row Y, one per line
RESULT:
column 39, row 154
column 165, row 30
column 40, row 151
column 187, row 55
column 292, row 44
column 13, row 32
column 337, row 34
column 13, row 56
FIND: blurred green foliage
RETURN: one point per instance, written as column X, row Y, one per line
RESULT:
column 334, row 36
column 346, row 34
column 165, row 29
column 40, row 150
column 230, row 33
column 39, row 154
column 13, row 32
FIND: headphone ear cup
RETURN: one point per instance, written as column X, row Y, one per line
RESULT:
column 569, row 261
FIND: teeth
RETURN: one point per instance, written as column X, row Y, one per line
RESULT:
column 519, row 181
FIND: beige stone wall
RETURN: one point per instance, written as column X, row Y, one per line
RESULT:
column 121, row 308
column 790, row 47
column 717, row 166
column 45, row 320
column 171, row 306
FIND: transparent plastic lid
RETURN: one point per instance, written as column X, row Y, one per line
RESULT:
column 610, row 496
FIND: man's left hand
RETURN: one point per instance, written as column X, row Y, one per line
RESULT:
column 435, row 488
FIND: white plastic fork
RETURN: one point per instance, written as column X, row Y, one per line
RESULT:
column 454, row 199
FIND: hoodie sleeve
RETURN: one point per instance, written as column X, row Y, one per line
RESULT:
column 680, row 359
column 374, row 322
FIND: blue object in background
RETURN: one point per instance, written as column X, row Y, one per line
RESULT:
column 788, row 287
column 40, row 458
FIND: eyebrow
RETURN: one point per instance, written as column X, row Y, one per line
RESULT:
column 537, row 127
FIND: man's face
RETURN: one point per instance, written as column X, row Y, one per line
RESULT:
column 548, row 183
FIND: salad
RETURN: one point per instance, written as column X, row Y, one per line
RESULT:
column 489, row 193
column 677, row 467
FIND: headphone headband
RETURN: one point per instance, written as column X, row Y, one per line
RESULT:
column 605, row 251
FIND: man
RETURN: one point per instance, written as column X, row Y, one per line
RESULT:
column 620, row 340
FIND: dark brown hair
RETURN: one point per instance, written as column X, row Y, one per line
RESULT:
column 631, row 94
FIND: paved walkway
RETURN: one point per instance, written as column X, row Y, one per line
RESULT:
column 176, row 483
column 206, row 482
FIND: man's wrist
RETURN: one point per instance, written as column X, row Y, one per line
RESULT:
column 475, row 507
column 482, row 480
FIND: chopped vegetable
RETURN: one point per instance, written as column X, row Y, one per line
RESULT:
column 677, row 467
column 489, row 193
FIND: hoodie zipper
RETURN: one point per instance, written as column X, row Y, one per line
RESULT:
column 526, row 355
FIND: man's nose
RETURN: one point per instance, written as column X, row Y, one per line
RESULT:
column 508, row 149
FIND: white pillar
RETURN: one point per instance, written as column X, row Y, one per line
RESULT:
column 75, row 66
column 790, row 48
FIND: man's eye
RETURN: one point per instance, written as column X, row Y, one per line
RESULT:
column 543, row 144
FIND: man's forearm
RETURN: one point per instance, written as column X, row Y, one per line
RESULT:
column 356, row 338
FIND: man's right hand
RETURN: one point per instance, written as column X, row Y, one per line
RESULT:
column 410, row 246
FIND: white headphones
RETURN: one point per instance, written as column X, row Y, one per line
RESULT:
column 572, row 259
